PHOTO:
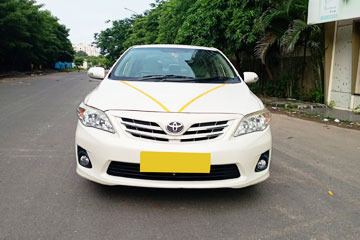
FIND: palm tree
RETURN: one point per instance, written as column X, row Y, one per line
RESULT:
column 285, row 29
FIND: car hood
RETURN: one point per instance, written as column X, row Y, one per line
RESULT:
column 174, row 97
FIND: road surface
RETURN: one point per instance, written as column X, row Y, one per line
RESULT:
column 41, row 196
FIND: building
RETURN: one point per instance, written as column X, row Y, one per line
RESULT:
column 90, row 50
column 342, row 49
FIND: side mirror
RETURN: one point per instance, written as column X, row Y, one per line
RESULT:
column 250, row 77
column 96, row 72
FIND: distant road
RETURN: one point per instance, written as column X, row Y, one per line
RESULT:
column 41, row 197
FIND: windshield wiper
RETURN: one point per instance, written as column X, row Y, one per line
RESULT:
column 178, row 78
column 216, row 79
column 163, row 78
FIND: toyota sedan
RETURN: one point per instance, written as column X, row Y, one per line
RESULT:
column 173, row 116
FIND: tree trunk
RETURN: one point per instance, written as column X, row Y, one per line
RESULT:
column 268, row 71
column 304, row 63
column 237, row 65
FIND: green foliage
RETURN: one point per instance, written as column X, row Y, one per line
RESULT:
column 81, row 54
column 283, row 24
column 293, row 105
column 172, row 16
column 31, row 36
column 240, row 31
column 227, row 25
column 318, row 95
column 145, row 27
column 79, row 61
column 111, row 40
column 247, row 31
column 204, row 24
column 357, row 109
column 92, row 61
column 99, row 61
column 332, row 104
column 285, row 34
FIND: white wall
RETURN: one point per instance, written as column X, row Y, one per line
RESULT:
column 341, row 77
column 90, row 50
column 342, row 64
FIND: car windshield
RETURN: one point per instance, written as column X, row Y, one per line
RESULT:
column 174, row 65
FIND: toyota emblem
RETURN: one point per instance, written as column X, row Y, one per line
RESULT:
column 175, row 127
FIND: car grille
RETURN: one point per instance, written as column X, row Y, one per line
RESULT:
column 132, row 170
column 152, row 131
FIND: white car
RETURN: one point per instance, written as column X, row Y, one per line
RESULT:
column 173, row 116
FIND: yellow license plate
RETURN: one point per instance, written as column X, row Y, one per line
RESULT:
column 174, row 162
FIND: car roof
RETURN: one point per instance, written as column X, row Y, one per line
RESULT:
column 174, row 46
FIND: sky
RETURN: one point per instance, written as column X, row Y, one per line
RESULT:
column 84, row 17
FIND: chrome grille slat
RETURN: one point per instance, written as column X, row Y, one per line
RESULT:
column 152, row 131
column 141, row 122
column 181, row 137
column 150, row 138
column 147, row 134
column 207, row 128
column 142, row 126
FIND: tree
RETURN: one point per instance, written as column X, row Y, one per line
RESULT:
column 31, row 36
column 241, row 34
column 81, row 54
column 99, row 61
column 227, row 25
column 137, row 30
column 205, row 24
column 245, row 30
column 284, row 30
column 284, row 27
column 79, row 61
column 171, row 18
column 145, row 27
column 111, row 40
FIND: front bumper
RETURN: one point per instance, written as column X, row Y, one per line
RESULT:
column 103, row 147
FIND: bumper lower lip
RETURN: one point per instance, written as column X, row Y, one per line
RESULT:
column 102, row 148
column 230, row 183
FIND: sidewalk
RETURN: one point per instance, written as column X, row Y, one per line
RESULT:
column 17, row 74
column 342, row 115
column 318, row 109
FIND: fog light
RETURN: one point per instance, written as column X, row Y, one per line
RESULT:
column 263, row 162
column 261, row 165
column 83, row 158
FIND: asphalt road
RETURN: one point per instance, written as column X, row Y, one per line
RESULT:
column 41, row 196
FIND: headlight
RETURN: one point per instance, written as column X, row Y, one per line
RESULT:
column 91, row 117
column 253, row 122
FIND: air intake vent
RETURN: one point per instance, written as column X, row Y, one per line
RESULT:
column 132, row 170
